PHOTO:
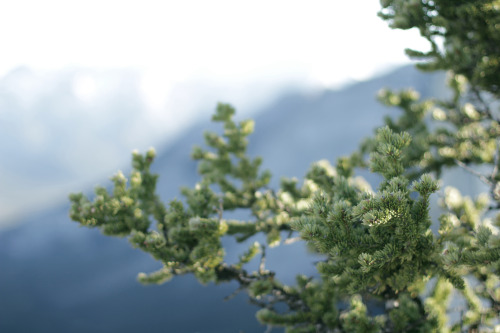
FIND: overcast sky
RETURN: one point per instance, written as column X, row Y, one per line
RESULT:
column 314, row 43
column 189, row 54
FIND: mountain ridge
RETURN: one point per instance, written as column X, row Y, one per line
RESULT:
column 65, row 278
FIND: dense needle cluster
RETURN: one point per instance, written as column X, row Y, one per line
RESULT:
column 380, row 254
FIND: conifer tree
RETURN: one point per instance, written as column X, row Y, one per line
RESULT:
column 379, row 249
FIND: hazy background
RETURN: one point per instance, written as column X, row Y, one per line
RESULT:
column 83, row 83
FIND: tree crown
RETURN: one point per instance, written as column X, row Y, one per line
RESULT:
column 380, row 251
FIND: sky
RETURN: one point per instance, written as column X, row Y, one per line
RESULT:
column 314, row 43
column 185, row 55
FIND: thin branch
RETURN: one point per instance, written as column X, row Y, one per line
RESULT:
column 262, row 266
column 495, row 161
column 269, row 329
column 486, row 108
column 292, row 240
column 494, row 174
column 482, row 177
column 220, row 209
column 234, row 293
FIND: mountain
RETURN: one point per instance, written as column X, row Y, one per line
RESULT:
column 67, row 128
column 298, row 129
column 64, row 129
column 57, row 277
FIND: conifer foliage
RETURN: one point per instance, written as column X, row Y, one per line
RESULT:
column 384, row 269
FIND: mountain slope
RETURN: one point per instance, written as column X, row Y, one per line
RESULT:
column 57, row 277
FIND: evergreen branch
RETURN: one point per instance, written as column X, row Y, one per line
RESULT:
column 377, row 243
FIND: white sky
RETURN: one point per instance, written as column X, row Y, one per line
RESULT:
column 189, row 53
column 317, row 42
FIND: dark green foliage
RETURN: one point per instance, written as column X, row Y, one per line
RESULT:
column 379, row 250
column 468, row 30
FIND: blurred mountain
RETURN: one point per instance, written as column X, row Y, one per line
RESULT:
column 64, row 129
column 68, row 128
column 298, row 129
column 57, row 277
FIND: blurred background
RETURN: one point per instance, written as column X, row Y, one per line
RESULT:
column 83, row 83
